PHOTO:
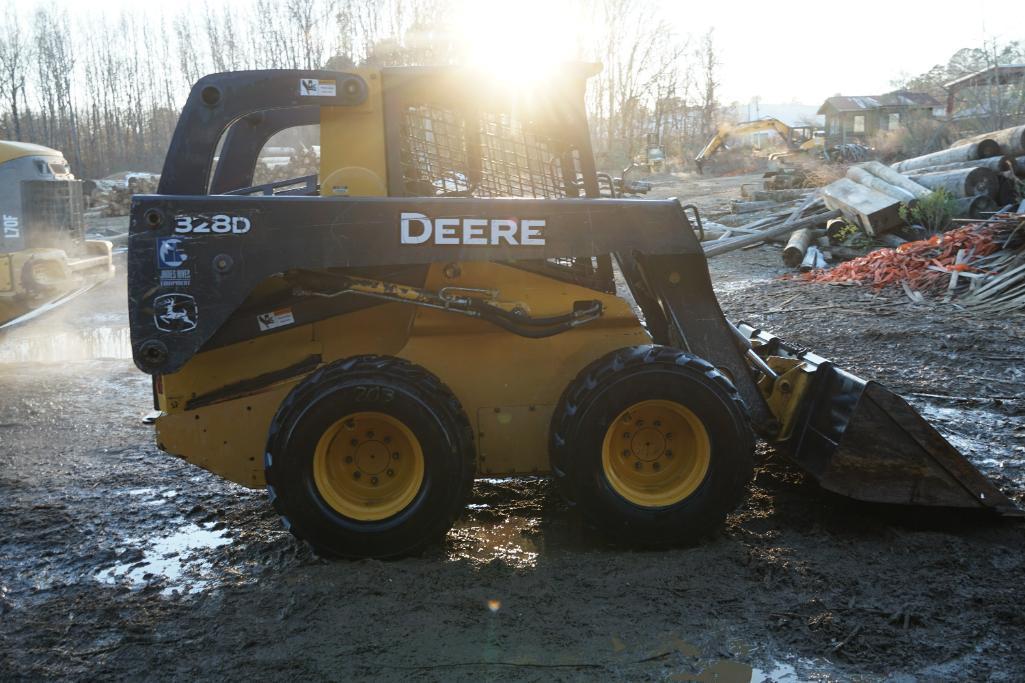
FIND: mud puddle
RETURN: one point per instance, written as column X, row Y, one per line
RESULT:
column 993, row 441
column 58, row 347
column 508, row 541
column 174, row 561
column 503, row 523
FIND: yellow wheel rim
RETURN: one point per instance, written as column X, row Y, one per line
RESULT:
column 655, row 453
column 368, row 466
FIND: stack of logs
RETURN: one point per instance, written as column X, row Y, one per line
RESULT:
column 981, row 173
column 807, row 218
column 979, row 170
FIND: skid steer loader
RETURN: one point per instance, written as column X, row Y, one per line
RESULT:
column 458, row 295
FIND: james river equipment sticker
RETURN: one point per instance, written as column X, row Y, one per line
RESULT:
column 171, row 257
column 278, row 318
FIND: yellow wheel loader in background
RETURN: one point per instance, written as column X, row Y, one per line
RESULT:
column 453, row 297
column 45, row 259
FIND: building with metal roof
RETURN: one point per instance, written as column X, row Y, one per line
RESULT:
column 856, row 119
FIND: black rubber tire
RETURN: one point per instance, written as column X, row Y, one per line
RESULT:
column 413, row 395
column 616, row 381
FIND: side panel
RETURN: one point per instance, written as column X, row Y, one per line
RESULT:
column 194, row 260
column 226, row 438
column 507, row 384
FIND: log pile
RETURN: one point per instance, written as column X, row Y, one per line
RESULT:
column 980, row 265
column 986, row 165
column 870, row 196
column 810, row 214
column 111, row 197
column 981, row 173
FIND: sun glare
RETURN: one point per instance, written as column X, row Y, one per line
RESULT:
column 518, row 42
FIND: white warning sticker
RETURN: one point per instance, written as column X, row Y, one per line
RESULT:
column 314, row 87
column 274, row 319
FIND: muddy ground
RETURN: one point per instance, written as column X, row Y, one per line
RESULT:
column 117, row 561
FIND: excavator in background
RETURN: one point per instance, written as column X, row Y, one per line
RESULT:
column 798, row 139
column 440, row 303
column 45, row 259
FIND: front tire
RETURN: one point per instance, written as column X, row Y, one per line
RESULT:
column 371, row 456
column 653, row 445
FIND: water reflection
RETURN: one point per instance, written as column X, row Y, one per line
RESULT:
column 171, row 560
column 23, row 346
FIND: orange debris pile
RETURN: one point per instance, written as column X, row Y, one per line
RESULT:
column 924, row 265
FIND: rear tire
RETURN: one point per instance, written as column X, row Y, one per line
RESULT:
column 371, row 456
column 652, row 445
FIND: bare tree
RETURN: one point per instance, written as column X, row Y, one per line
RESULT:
column 107, row 93
column 15, row 53
column 710, row 68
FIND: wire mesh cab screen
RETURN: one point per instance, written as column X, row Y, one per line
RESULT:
column 463, row 134
column 482, row 154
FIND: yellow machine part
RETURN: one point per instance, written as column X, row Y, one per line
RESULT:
column 45, row 271
column 361, row 477
column 785, row 393
column 6, row 274
column 507, row 384
column 9, row 149
column 352, row 161
column 656, row 453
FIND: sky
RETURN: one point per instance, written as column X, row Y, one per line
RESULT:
column 786, row 51
column 849, row 48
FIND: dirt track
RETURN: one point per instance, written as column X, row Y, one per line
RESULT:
column 121, row 562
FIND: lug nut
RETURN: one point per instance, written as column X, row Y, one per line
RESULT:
column 655, row 466
column 357, row 474
column 640, row 423
column 370, row 434
column 669, row 435
column 626, row 453
column 348, row 460
column 354, row 442
column 387, row 439
column 391, row 473
column 657, row 423
column 669, row 454
column 626, row 435
column 395, row 455
column 638, row 465
column 373, row 480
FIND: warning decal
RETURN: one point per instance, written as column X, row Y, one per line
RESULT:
column 313, row 87
column 278, row 318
